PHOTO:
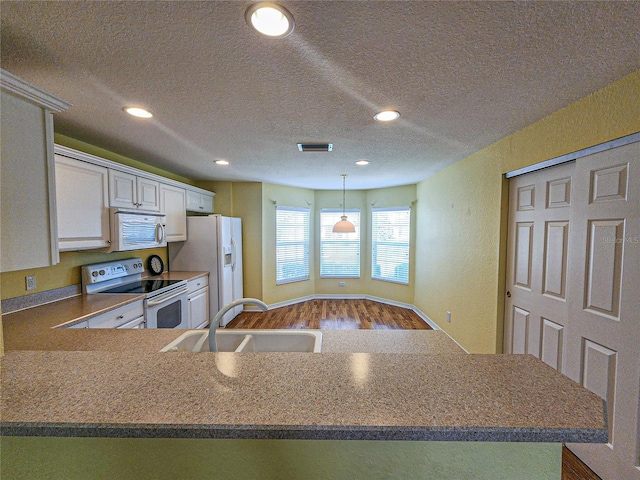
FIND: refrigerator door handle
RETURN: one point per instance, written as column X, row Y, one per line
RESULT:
column 233, row 254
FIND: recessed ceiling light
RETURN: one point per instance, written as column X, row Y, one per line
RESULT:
column 222, row 162
column 270, row 19
column 386, row 115
column 138, row 112
column 362, row 162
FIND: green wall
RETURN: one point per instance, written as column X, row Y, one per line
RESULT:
column 115, row 458
column 461, row 213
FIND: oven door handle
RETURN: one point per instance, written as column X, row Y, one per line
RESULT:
column 168, row 296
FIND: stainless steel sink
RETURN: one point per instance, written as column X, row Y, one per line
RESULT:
column 241, row 340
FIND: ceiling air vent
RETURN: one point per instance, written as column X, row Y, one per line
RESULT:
column 315, row 147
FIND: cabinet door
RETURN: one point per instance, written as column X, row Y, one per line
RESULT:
column 148, row 194
column 199, row 308
column 199, row 202
column 82, row 200
column 122, row 189
column 27, row 233
column 173, row 203
column 193, row 201
column 206, row 202
column 118, row 316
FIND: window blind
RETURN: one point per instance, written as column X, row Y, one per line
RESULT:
column 339, row 252
column 390, row 243
column 292, row 244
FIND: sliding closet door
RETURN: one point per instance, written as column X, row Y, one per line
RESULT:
column 536, row 299
column 602, row 341
column 573, row 281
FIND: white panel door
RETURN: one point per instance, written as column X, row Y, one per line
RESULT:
column 602, row 341
column 538, row 250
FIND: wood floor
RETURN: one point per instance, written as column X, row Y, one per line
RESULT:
column 574, row 469
column 336, row 314
column 333, row 314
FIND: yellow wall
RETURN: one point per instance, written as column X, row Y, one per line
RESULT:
column 247, row 204
column 67, row 272
column 254, row 203
column 460, row 222
column 460, row 254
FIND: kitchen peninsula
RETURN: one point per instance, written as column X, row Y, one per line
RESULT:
column 106, row 404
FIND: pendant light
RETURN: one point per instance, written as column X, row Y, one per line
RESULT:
column 343, row 226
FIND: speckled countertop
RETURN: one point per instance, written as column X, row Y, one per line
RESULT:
column 115, row 383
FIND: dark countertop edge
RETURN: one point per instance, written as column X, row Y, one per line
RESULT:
column 308, row 432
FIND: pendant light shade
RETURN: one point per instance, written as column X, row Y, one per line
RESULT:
column 344, row 226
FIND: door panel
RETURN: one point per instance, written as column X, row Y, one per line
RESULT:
column 520, row 330
column 604, row 256
column 555, row 259
column 552, row 343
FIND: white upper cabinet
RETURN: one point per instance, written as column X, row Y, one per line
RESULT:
column 28, row 229
column 173, row 203
column 133, row 192
column 89, row 185
column 199, row 202
column 82, row 193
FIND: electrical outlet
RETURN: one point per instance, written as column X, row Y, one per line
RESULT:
column 341, row 284
column 448, row 316
column 30, row 280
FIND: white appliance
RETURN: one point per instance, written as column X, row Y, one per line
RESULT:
column 136, row 230
column 165, row 304
column 214, row 244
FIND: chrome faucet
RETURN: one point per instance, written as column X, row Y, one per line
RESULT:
column 213, row 326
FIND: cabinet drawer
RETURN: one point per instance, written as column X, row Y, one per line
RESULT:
column 197, row 284
column 118, row 316
column 84, row 324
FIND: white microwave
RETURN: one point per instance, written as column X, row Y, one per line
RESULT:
column 132, row 230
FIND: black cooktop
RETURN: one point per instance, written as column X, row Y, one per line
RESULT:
column 143, row 286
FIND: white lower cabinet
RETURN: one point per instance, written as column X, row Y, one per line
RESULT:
column 198, row 302
column 82, row 197
column 127, row 316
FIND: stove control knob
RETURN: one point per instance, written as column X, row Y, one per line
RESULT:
column 135, row 265
column 101, row 272
column 94, row 274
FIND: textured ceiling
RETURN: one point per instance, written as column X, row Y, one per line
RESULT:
column 462, row 74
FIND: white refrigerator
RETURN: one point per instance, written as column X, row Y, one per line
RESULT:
column 214, row 244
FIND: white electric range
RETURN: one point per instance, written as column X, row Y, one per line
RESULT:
column 165, row 303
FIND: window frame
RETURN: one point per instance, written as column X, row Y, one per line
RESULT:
column 375, row 243
column 304, row 242
column 336, row 214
